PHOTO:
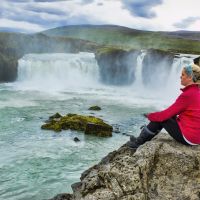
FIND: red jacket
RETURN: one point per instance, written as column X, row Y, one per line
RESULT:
column 187, row 109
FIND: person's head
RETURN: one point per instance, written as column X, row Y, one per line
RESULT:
column 190, row 74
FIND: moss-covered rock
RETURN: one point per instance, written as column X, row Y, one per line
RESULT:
column 55, row 116
column 78, row 123
column 95, row 108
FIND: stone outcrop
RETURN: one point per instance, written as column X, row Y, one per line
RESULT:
column 88, row 124
column 117, row 66
column 96, row 108
column 159, row 169
column 8, row 68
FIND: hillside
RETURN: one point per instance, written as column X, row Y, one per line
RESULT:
column 123, row 37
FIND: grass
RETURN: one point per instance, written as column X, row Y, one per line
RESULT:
column 128, row 38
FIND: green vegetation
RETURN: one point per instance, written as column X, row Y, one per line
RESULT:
column 88, row 124
column 102, row 40
column 125, row 38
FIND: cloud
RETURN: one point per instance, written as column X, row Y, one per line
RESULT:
column 100, row 4
column 48, row 10
column 26, row 1
column 139, row 14
column 142, row 8
column 23, row 27
column 49, row 1
column 18, row 1
column 187, row 22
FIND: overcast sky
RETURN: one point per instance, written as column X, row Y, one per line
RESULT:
column 30, row 16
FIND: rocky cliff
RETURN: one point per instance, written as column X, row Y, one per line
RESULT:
column 117, row 66
column 159, row 169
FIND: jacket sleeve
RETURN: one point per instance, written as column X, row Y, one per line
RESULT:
column 176, row 108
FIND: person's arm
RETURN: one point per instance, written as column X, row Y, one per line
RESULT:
column 176, row 108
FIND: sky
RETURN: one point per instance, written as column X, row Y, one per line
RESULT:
column 30, row 16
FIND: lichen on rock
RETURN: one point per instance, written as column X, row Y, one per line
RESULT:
column 88, row 124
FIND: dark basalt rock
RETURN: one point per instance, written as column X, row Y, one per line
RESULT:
column 96, row 108
column 98, row 129
column 76, row 139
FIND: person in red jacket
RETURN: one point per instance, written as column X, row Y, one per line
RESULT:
column 182, row 119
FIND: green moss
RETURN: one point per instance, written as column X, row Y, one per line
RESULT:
column 78, row 123
column 53, row 125
column 108, row 50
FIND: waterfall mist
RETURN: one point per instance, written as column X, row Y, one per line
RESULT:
column 57, row 71
column 80, row 72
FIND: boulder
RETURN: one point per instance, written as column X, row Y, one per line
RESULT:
column 98, row 129
column 96, row 108
column 76, row 139
column 160, row 169
column 88, row 124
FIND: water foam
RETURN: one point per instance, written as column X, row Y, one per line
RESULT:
column 57, row 71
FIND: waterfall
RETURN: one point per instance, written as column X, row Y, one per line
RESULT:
column 58, row 71
column 173, row 84
column 67, row 71
column 138, row 72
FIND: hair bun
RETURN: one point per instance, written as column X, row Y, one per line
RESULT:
column 196, row 73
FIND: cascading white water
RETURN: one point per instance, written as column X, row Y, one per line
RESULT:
column 57, row 71
column 171, row 87
column 138, row 73
column 173, row 84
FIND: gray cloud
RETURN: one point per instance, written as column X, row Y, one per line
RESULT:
column 51, row 11
column 48, row 1
column 141, row 8
column 100, row 4
column 37, row 1
column 43, row 15
column 18, row 1
column 87, row 1
column 185, row 23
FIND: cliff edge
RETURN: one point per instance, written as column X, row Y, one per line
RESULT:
column 159, row 169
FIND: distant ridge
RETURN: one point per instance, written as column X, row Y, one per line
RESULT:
column 127, row 38
column 193, row 35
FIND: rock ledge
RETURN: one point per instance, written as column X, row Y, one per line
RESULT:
column 159, row 169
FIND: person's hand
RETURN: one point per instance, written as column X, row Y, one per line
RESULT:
column 145, row 115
